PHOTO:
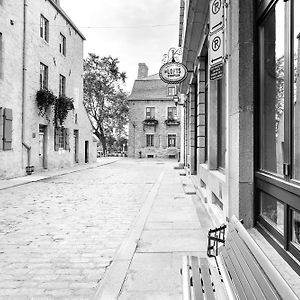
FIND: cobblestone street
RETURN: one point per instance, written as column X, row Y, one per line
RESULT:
column 58, row 235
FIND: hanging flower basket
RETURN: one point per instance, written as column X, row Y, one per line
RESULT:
column 150, row 122
column 172, row 122
column 62, row 107
column 44, row 100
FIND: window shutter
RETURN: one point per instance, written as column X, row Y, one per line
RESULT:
column 67, row 138
column 1, row 128
column 7, row 129
column 56, row 139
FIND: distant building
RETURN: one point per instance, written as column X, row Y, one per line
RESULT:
column 40, row 48
column 154, row 120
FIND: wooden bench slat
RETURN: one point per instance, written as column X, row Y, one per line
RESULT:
column 245, row 259
column 231, row 270
column 240, row 270
column 186, row 289
column 273, row 275
column 197, row 287
column 206, row 279
column 220, row 290
column 256, row 270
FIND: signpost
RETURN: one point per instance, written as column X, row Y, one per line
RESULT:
column 216, row 44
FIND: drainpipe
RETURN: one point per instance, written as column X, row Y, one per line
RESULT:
column 27, row 147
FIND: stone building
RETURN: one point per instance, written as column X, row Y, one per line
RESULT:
column 241, row 142
column 154, row 120
column 40, row 48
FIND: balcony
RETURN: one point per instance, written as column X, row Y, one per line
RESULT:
column 150, row 122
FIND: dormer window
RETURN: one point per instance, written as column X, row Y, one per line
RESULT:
column 171, row 90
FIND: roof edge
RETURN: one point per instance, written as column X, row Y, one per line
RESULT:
column 62, row 12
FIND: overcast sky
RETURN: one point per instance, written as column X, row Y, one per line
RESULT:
column 132, row 30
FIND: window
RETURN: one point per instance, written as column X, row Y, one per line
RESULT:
column 272, row 91
column 44, row 28
column 149, row 140
column 278, row 107
column 43, row 77
column 61, row 139
column 6, row 128
column 171, row 140
column 150, row 112
column 221, row 125
column 1, row 56
column 62, row 85
column 172, row 113
column 171, row 91
column 62, row 44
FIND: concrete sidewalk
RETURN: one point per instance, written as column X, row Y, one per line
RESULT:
column 148, row 263
column 8, row 183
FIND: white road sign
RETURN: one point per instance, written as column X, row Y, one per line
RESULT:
column 216, row 15
column 216, row 47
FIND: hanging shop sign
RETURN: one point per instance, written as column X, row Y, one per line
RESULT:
column 173, row 72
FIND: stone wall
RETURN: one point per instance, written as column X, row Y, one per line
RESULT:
column 138, row 131
column 39, row 51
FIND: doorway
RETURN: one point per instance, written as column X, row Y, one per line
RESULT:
column 42, row 147
column 76, row 136
column 86, row 151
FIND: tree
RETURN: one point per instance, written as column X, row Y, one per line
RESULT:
column 104, row 99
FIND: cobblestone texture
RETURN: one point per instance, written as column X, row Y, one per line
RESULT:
column 58, row 236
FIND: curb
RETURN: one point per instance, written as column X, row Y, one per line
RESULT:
column 40, row 176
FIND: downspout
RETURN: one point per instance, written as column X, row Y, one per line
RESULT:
column 27, row 147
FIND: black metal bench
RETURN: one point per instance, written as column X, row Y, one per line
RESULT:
column 236, row 268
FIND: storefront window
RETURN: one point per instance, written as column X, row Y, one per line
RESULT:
column 296, row 92
column 296, row 229
column 273, row 211
column 221, row 126
column 272, row 90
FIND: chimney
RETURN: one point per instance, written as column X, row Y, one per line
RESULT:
column 142, row 71
column 57, row 2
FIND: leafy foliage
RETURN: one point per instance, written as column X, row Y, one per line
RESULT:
column 44, row 100
column 104, row 99
column 61, row 109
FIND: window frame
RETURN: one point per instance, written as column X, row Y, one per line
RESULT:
column 44, row 28
column 170, row 137
column 283, row 188
column 44, row 73
column 149, row 140
column 171, row 88
column 171, row 116
column 150, row 109
column 62, row 44
column 62, row 85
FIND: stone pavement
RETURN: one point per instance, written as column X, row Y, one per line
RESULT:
column 8, row 183
column 59, row 235
column 170, row 224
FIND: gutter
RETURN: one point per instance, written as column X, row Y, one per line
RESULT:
column 27, row 147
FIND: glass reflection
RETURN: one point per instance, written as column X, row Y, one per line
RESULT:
column 296, row 92
column 273, row 211
column 296, row 228
column 272, row 91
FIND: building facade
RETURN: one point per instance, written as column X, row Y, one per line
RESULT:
column 154, row 119
column 40, row 49
column 241, row 136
